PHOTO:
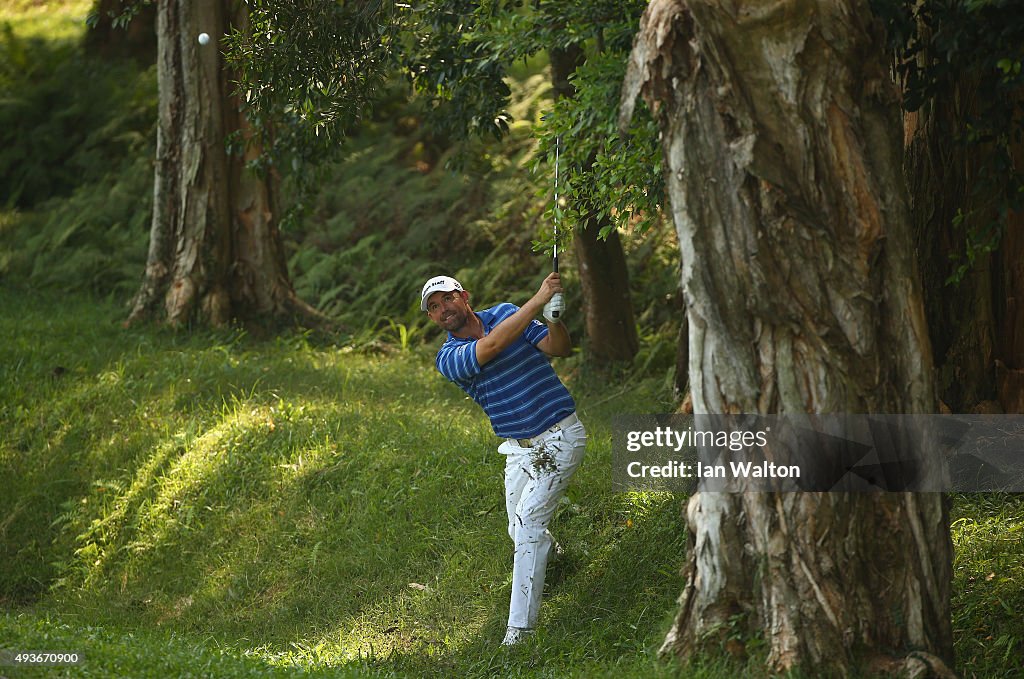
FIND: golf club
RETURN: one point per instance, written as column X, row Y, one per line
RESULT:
column 556, row 300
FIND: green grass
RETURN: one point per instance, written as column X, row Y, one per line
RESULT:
column 50, row 19
column 226, row 506
column 297, row 503
column 988, row 580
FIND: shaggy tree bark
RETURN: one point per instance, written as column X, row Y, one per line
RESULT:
column 940, row 173
column 215, row 253
column 977, row 325
column 604, row 278
column 781, row 137
column 1009, row 313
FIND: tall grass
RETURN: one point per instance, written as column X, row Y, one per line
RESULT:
column 297, row 505
column 304, row 504
column 988, row 580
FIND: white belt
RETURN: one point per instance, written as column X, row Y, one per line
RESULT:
column 556, row 427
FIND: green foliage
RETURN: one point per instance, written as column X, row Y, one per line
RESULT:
column 456, row 68
column 94, row 239
column 606, row 177
column 58, row 124
column 120, row 17
column 459, row 67
column 388, row 215
column 77, row 141
column 309, row 70
column 362, row 233
column 943, row 46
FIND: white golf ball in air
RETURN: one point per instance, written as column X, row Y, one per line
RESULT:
column 204, row 38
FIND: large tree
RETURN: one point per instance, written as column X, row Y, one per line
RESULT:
column 960, row 66
column 782, row 147
column 215, row 251
column 601, row 262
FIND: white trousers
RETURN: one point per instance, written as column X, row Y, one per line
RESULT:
column 535, row 480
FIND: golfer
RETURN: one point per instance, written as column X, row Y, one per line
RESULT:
column 499, row 357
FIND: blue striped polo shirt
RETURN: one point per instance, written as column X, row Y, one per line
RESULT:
column 518, row 389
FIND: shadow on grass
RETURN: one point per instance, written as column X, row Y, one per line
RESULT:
column 299, row 503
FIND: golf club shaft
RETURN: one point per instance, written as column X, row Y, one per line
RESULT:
column 554, row 263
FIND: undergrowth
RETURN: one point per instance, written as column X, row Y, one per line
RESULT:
column 286, row 506
column 77, row 138
column 304, row 505
column 76, row 142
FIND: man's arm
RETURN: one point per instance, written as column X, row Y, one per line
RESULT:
column 557, row 342
column 506, row 332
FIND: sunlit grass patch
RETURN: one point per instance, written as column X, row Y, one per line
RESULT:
column 49, row 19
column 138, row 654
column 988, row 578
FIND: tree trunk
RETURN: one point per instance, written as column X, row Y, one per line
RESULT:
column 1009, row 313
column 604, row 278
column 607, row 305
column 781, row 137
column 215, row 253
column 940, row 174
column 960, row 317
column 976, row 325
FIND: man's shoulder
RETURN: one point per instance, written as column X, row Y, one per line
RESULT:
column 456, row 359
column 451, row 342
column 498, row 312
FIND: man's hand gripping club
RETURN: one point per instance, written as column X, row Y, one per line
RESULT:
column 506, row 332
column 554, row 308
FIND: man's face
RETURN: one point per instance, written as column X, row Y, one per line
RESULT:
column 450, row 310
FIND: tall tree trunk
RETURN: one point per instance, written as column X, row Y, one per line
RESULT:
column 977, row 325
column 781, row 137
column 604, row 278
column 940, row 174
column 941, row 171
column 215, row 253
column 1009, row 313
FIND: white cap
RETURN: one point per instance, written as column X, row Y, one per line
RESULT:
column 438, row 284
